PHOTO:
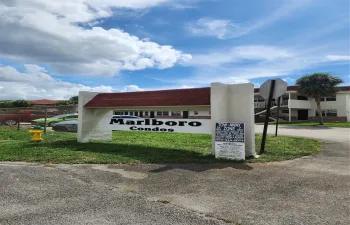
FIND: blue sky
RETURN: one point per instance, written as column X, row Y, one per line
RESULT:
column 133, row 45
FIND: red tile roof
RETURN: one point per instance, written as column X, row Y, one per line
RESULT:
column 177, row 97
column 43, row 102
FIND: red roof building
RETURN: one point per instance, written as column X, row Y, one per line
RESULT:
column 176, row 97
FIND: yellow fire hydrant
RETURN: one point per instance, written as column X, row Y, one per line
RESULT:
column 37, row 133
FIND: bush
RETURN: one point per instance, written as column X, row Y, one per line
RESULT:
column 65, row 102
column 6, row 104
column 14, row 104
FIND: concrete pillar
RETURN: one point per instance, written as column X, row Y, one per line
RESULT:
column 290, row 110
column 290, row 115
column 91, row 122
column 234, row 103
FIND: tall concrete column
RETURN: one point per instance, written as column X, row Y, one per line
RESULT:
column 234, row 103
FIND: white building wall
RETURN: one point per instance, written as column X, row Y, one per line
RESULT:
column 340, row 104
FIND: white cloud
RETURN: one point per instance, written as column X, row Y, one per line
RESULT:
column 36, row 83
column 132, row 88
column 289, row 80
column 237, row 72
column 226, row 29
column 222, row 29
column 50, row 34
column 338, row 57
column 240, row 53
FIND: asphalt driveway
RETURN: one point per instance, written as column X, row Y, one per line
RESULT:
column 310, row 190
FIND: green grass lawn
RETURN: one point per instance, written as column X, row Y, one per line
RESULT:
column 137, row 147
column 326, row 124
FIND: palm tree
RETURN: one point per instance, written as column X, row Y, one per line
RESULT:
column 318, row 85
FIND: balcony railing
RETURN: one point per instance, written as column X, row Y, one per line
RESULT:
column 263, row 105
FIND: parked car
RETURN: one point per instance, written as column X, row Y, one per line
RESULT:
column 72, row 126
column 66, row 126
column 12, row 117
column 56, row 119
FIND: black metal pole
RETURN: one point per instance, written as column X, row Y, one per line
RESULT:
column 18, row 119
column 266, row 123
column 278, row 114
column 45, row 120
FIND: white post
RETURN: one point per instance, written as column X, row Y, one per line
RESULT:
column 234, row 103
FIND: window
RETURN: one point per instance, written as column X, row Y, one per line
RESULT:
column 131, row 113
column 285, row 111
column 331, row 99
column 331, row 112
column 195, row 112
column 118, row 113
column 176, row 113
column 301, row 97
column 126, row 113
column 328, row 112
column 162, row 113
column 146, row 113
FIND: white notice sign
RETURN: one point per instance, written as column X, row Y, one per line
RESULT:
column 230, row 141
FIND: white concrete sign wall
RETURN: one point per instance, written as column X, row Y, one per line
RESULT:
column 229, row 103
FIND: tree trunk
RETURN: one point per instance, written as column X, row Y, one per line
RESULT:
column 319, row 110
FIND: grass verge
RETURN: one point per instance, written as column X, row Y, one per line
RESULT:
column 137, row 147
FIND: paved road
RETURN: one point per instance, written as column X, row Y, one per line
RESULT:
column 311, row 190
column 32, row 194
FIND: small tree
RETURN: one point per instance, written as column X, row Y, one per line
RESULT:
column 318, row 85
column 20, row 103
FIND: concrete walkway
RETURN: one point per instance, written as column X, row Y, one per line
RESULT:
column 311, row 190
